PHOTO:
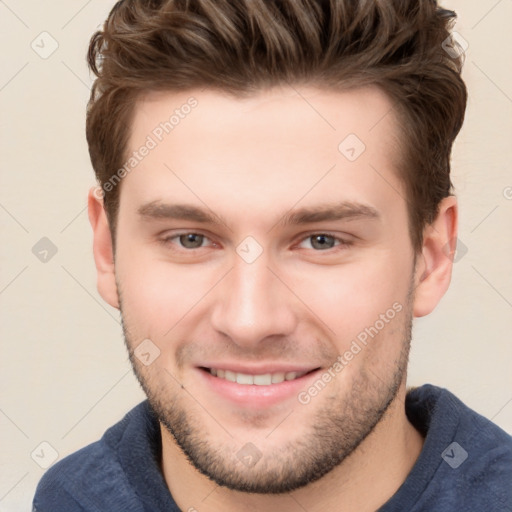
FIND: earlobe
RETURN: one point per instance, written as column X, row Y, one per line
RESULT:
column 103, row 249
column 434, row 264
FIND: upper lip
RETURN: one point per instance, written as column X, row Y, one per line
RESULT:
column 259, row 369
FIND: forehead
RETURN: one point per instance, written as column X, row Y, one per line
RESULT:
column 319, row 115
column 274, row 147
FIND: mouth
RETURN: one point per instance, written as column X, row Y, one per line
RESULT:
column 246, row 387
column 260, row 379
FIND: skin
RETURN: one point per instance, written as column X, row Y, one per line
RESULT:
column 250, row 163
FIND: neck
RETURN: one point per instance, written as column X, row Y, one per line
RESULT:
column 364, row 481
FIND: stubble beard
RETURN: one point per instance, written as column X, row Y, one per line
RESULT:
column 339, row 426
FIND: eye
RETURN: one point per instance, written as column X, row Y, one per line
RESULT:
column 321, row 242
column 188, row 240
column 191, row 240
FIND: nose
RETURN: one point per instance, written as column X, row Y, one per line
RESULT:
column 252, row 304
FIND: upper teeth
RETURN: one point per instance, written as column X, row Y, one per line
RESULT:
column 259, row 380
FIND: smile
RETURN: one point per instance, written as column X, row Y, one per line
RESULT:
column 265, row 379
column 255, row 386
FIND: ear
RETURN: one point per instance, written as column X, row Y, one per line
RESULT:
column 102, row 248
column 434, row 265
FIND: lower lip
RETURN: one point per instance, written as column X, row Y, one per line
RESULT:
column 257, row 396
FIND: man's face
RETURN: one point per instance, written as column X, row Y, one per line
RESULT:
column 251, row 246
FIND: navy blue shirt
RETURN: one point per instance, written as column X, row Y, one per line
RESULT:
column 465, row 465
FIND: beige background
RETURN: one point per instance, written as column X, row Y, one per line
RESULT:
column 64, row 371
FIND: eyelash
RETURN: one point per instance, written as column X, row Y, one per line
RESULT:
column 340, row 243
column 167, row 241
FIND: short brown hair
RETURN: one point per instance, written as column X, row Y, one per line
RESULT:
column 244, row 46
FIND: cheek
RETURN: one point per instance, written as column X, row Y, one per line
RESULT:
column 350, row 298
column 157, row 295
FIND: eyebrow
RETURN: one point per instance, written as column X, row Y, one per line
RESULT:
column 159, row 210
column 338, row 211
column 331, row 212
